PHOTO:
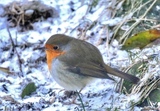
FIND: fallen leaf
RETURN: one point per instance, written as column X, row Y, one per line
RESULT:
column 28, row 89
column 141, row 39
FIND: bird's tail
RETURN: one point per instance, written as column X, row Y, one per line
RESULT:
column 123, row 75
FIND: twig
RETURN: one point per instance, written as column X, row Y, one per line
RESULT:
column 13, row 45
column 6, row 70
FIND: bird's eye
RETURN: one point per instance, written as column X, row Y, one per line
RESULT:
column 55, row 47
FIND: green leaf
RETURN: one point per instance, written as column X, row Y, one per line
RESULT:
column 141, row 39
column 155, row 95
column 28, row 89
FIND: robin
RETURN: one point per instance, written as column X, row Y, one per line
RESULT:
column 74, row 63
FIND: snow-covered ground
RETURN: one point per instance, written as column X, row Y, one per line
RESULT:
column 100, row 95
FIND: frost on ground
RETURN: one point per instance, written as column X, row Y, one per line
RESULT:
column 26, row 59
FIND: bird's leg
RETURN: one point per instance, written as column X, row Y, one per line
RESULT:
column 74, row 99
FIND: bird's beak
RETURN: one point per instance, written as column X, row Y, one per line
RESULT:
column 48, row 47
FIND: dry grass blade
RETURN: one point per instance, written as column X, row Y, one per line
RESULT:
column 144, row 88
column 6, row 70
column 135, row 8
column 126, row 34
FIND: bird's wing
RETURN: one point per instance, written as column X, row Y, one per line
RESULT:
column 89, row 69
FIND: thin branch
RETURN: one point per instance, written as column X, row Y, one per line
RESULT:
column 13, row 45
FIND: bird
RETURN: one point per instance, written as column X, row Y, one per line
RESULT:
column 75, row 63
